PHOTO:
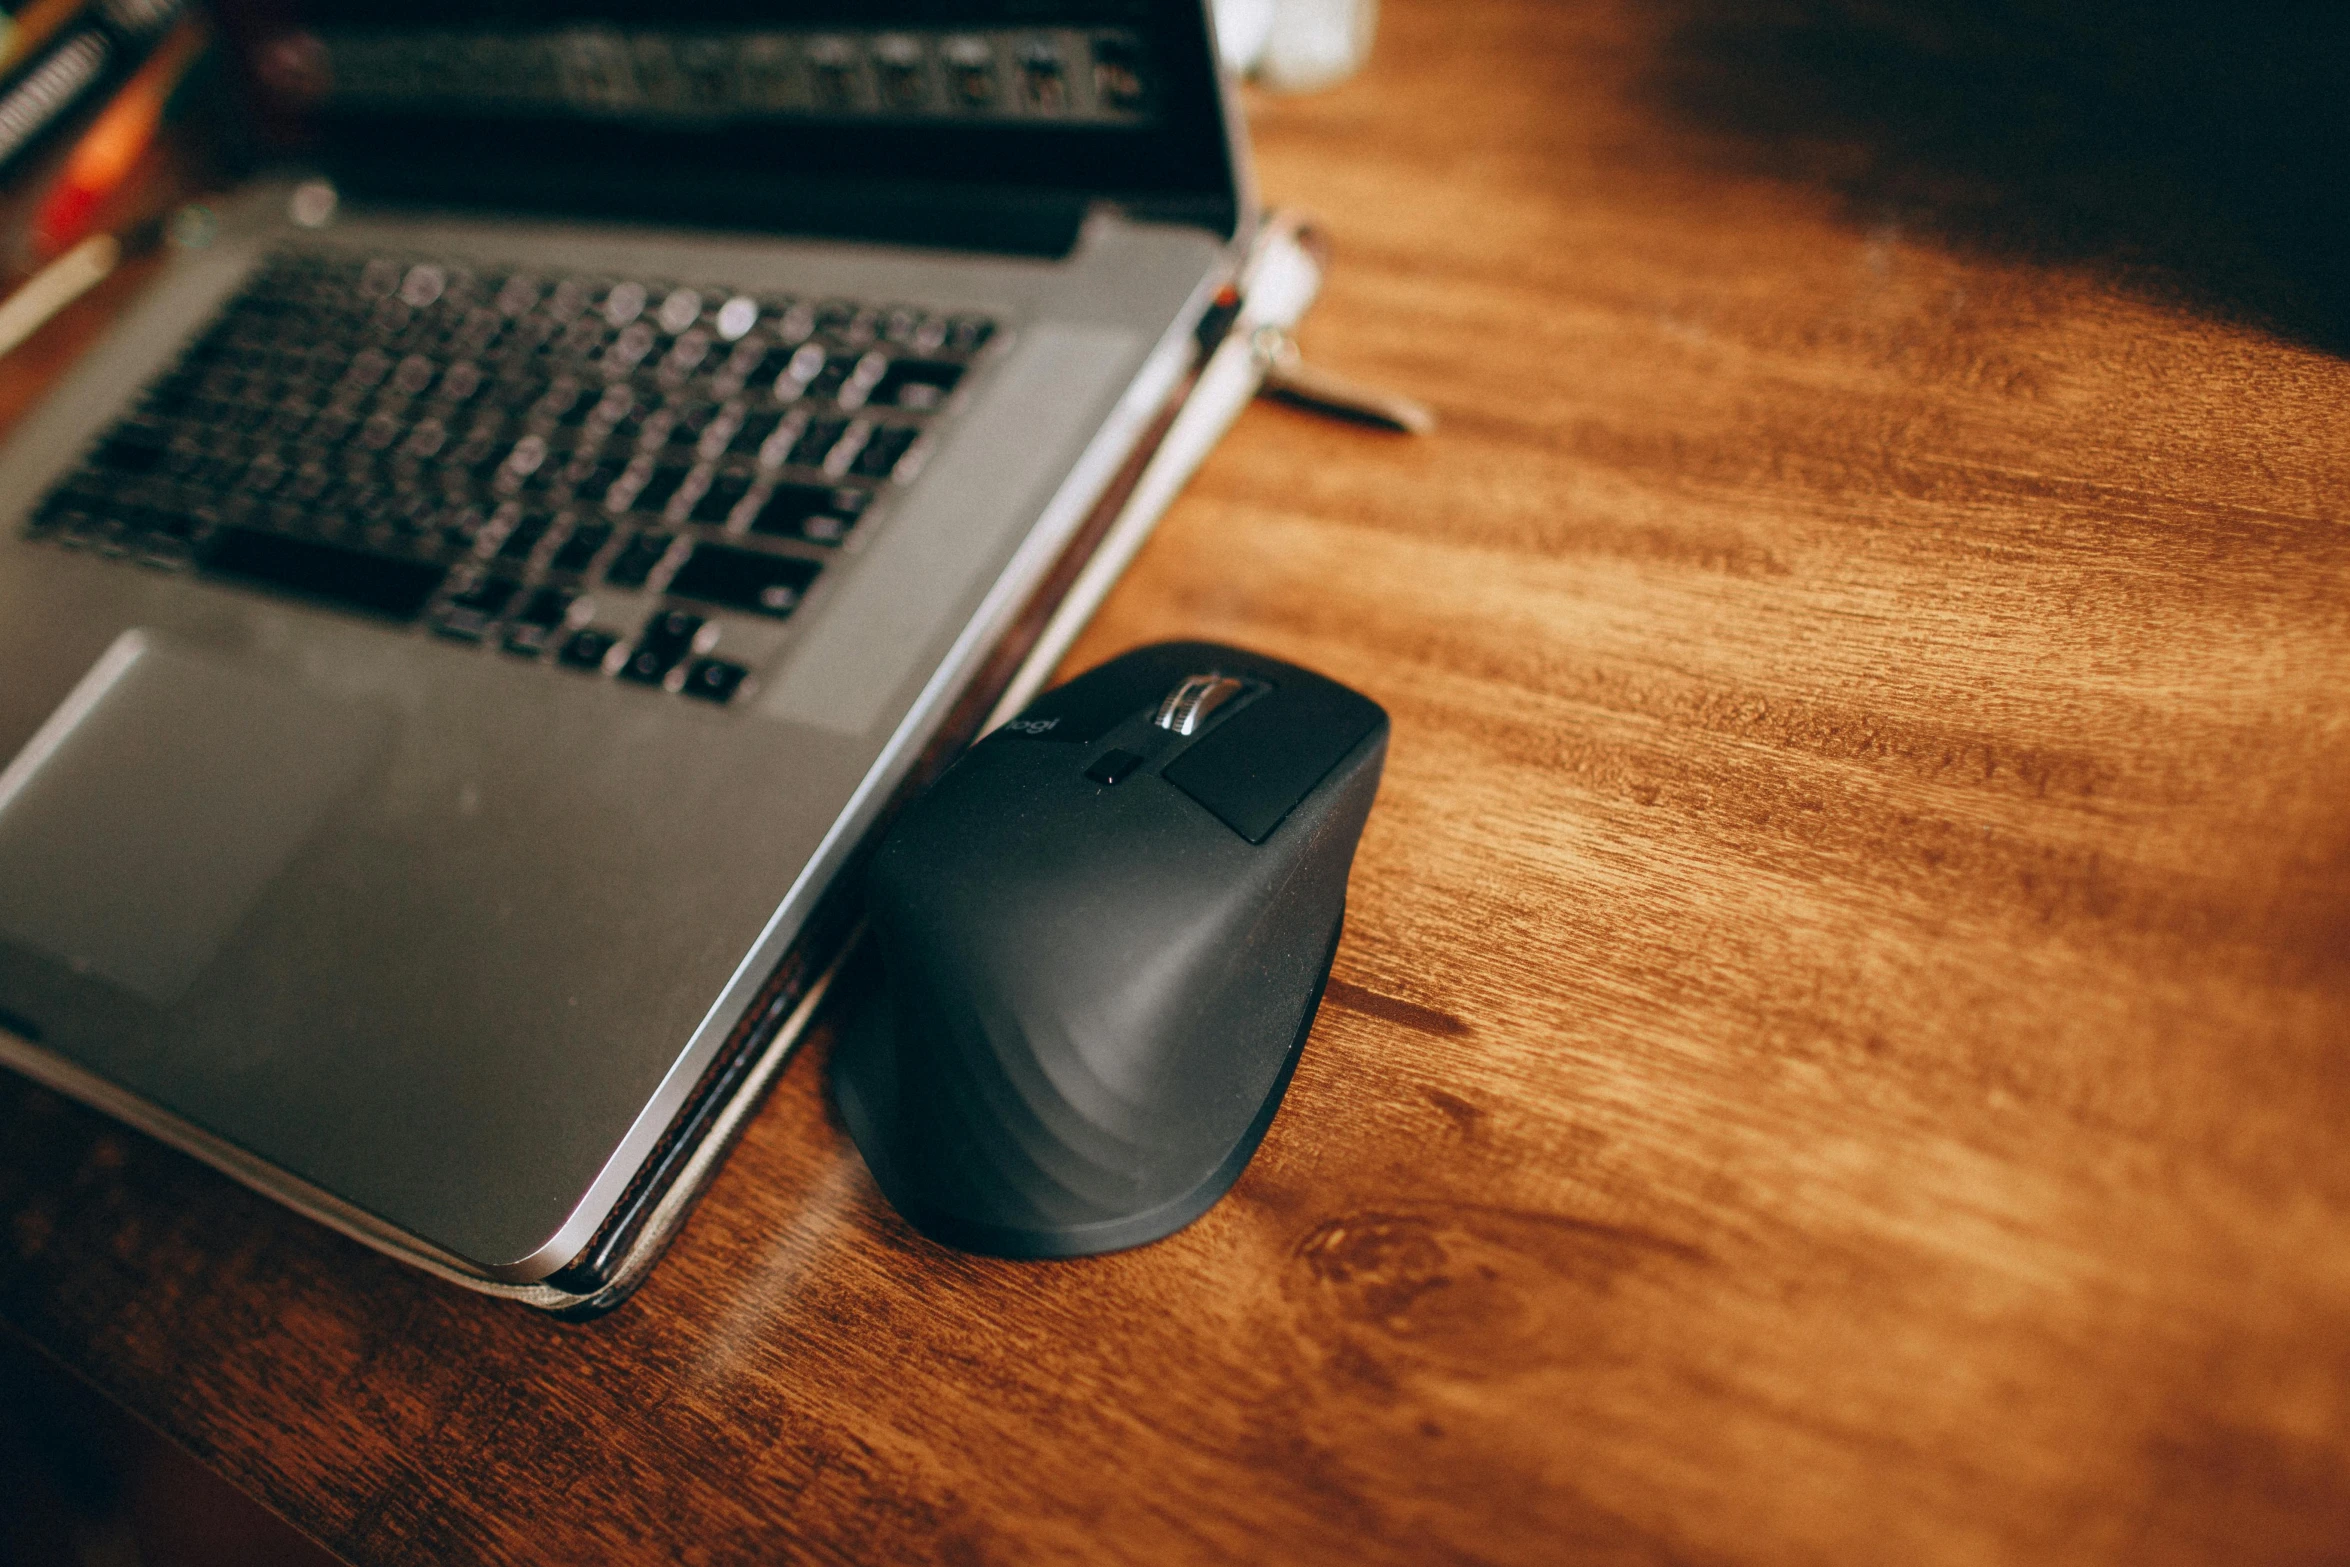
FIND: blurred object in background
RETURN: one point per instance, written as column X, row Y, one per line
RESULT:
column 101, row 162
column 1296, row 45
column 55, row 286
column 57, row 204
column 87, row 52
column 28, row 26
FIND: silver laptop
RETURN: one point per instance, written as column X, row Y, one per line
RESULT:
column 458, row 630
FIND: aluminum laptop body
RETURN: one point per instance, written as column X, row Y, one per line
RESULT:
column 430, row 923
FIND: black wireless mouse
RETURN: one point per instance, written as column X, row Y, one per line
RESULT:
column 1104, row 933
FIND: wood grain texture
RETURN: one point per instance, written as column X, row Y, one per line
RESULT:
column 1839, row 1049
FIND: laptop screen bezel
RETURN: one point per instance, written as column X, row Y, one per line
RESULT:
column 1005, row 186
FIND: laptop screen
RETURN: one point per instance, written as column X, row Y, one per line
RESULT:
column 991, row 123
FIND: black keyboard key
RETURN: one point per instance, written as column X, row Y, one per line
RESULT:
column 491, row 595
column 133, row 447
column 820, row 437
column 744, row 579
column 846, row 321
column 170, row 397
column 660, row 488
column 768, row 369
column 597, row 482
column 667, row 638
column 967, row 334
column 355, row 579
column 531, row 631
column 524, row 537
column 813, row 512
column 65, row 510
column 878, row 457
column 470, row 613
column 725, row 493
column 832, row 377
column 713, row 679
column 789, row 505
column 673, row 629
column 171, row 524
column 637, row 560
column 916, row 383
column 588, row 648
column 578, row 551
column 688, row 419
column 752, row 433
column 98, row 530
column 546, row 608
column 459, row 526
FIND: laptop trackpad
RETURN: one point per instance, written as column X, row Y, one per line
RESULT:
column 142, row 820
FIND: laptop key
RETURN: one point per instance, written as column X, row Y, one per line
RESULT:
column 588, row 648
column 524, row 537
column 357, row 579
column 788, row 506
column 713, row 679
column 916, row 383
column 819, row 438
column 878, row 457
column 753, row 432
column 471, row 612
column 133, row 448
column 667, row 638
column 818, row 513
column 660, row 487
column 579, row 551
column 725, row 492
column 529, row 633
column 744, row 579
column 968, row 334
column 637, row 559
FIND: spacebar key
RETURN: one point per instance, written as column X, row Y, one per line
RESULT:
column 355, row 579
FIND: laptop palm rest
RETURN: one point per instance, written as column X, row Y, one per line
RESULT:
column 141, row 822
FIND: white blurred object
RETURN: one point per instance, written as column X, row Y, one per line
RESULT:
column 1296, row 45
column 1317, row 43
column 1241, row 29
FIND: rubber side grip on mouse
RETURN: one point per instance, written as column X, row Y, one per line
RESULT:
column 864, row 1087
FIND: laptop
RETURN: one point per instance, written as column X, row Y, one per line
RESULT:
column 460, row 629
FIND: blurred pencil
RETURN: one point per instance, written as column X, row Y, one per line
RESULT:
column 55, row 286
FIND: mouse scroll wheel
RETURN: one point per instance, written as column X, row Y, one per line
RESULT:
column 1189, row 704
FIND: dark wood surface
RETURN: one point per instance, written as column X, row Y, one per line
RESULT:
column 1840, row 1048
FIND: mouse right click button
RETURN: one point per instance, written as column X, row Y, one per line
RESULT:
column 1252, row 770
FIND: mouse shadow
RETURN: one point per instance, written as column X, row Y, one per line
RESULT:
column 2191, row 151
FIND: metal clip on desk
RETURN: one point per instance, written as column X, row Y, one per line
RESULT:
column 1287, row 377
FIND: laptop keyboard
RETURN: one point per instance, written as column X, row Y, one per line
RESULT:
column 482, row 453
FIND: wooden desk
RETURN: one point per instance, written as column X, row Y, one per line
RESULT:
column 1839, row 1051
